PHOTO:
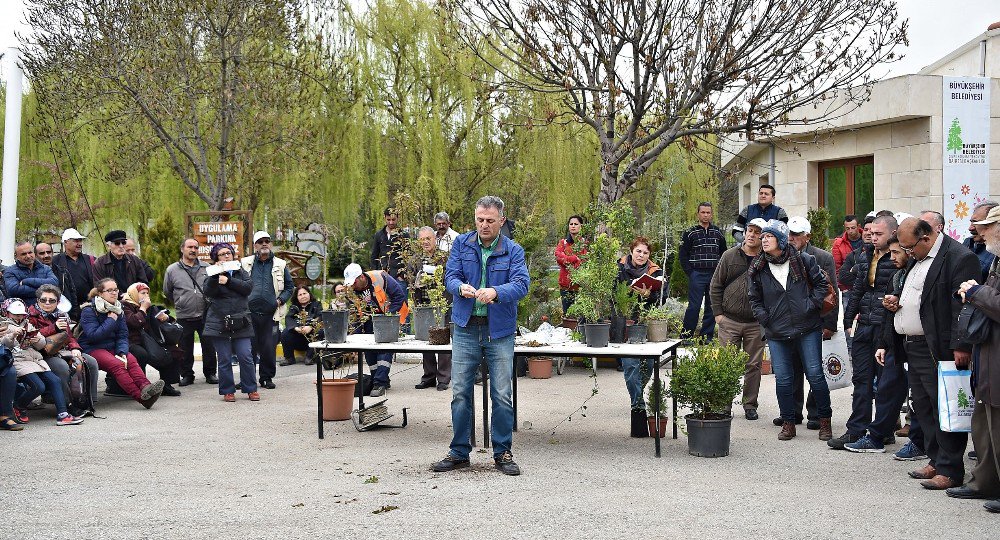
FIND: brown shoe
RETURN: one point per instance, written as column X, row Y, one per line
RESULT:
column 924, row 473
column 939, row 481
column 825, row 430
column 254, row 396
column 903, row 431
column 229, row 398
column 787, row 431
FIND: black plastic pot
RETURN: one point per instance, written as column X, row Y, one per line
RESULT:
column 708, row 438
column 598, row 334
column 335, row 325
column 636, row 333
column 423, row 319
column 617, row 333
column 385, row 328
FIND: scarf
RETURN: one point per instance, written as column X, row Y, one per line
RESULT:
column 628, row 268
column 102, row 306
column 132, row 294
column 796, row 268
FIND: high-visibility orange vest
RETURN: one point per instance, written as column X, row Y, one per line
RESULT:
column 378, row 283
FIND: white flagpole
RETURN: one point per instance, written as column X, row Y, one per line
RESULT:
column 11, row 158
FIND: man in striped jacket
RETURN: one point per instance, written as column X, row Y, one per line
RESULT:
column 701, row 248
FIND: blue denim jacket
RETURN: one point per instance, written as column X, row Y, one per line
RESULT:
column 506, row 272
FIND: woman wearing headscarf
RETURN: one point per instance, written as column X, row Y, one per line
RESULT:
column 568, row 253
column 139, row 315
column 227, row 322
column 637, row 372
column 786, row 291
column 104, row 335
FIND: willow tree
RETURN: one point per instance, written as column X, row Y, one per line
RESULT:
column 216, row 87
column 644, row 74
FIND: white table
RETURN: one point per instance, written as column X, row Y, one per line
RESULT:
column 361, row 343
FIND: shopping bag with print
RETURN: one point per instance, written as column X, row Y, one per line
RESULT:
column 837, row 362
column 955, row 402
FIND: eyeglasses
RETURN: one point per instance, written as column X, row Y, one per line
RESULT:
column 263, row 241
column 48, row 301
column 120, row 242
column 109, row 290
column 909, row 250
column 223, row 253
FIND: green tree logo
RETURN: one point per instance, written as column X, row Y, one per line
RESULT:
column 963, row 399
column 955, row 136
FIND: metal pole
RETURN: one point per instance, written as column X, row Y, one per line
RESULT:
column 11, row 158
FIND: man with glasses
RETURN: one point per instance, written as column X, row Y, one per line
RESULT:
column 75, row 271
column 924, row 323
column 118, row 265
column 24, row 277
column 272, row 287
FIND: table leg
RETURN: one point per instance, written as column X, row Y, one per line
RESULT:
column 656, row 404
column 514, row 397
column 673, row 368
column 486, row 406
column 319, row 394
column 361, row 380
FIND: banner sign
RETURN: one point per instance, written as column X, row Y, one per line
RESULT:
column 965, row 165
column 209, row 233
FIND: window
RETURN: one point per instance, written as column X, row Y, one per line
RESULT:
column 847, row 187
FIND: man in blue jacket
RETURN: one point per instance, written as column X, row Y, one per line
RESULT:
column 26, row 275
column 487, row 275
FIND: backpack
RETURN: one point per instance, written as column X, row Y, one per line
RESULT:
column 364, row 386
column 79, row 398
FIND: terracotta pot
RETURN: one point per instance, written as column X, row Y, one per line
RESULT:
column 338, row 398
column 651, row 421
column 540, row 367
column 570, row 323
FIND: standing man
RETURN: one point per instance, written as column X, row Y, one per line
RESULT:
column 701, row 247
column 976, row 242
column 935, row 218
column 444, row 233
column 43, row 253
column 437, row 366
column 272, row 287
column 764, row 208
column 925, row 324
column 874, row 269
column 487, row 275
column 182, row 287
column 383, row 295
column 132, row 249
column 733, row 315
column 75, row 271
column 118, row 265
column 387, row 249
column 846, row 243
column 24, row 277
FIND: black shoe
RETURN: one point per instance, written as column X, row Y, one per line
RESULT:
column 751, row 414
column 640, row 427
column 798, row 422
column 888, row 439
column 505, row 464
column 425, row 384
column 286, row 362
column 442, row 387
column 110, row 392
column 170, row 391
column 964, row 492
column 449, row 463
column 618, row 365
column 992, row 506
column 812, row 424
column 267, row 383
column 212, row 379
column 186, row 380
column 837, row 443
column 309, row 361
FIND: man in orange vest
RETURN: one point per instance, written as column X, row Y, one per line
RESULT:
column 385, row 295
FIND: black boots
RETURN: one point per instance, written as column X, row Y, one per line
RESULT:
column 640, row 428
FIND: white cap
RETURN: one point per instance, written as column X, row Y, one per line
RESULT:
column 872, row 214
column 72, row 234
column 760, row 223
column 16, row 307
column 260, row 234
column 799, row 224
column 900, row 216
column 351, row 273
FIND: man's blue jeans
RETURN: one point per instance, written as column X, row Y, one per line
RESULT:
column 698, row 282
column 808, row 348
column 469, row 346
column 636, row 376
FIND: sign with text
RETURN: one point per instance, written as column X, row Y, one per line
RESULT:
column 209, row 233
column 965, row 119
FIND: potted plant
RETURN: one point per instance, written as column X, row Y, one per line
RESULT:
column 656, row 401
column 637, row 333
column 663, row 321
column 583, row 308
column 597, row 276
column 338, row 393
column 540, row 367
column 624, row 304
column 439, row 333
column 707, row 383
column 336, row 320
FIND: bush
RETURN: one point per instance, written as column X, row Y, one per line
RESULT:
column 678, row 279
column 708, row 382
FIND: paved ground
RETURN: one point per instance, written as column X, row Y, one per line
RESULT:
column 195, row 467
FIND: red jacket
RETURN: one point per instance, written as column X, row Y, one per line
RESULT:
column 841, row 249
column 46, row 325
column 566, row 257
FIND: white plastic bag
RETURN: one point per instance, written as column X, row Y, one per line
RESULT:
column 837, row 367
column 955, row 403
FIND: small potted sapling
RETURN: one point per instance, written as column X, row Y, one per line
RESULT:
column 656, row 401
column 707, row 383
column 440, row 331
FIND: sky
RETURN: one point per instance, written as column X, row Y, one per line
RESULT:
column 934, row 30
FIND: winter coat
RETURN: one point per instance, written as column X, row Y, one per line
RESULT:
column 566, row 258
column 312, row 309
column 386, row 253
column 841, row 249
column 728, row 288
column 792, row 311
column 135, row 270
column 22, row 282
column 701, row 248
column 182, row 288
column 825, row 262
column 628, row 272
column 227, row 299
column 26, row 358
column 986, row 298
column 100, row 331
column 863, row 300
column 506, row 272
column 46, row 325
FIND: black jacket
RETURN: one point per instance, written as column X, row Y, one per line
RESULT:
column 135, row 270
column 701, row 248
column 76, row 278
column 228, row 299
column 788, row 313
column 825, row 261
column 847, row 273
column 386, row 254
column 313, row 309
column 864, row 299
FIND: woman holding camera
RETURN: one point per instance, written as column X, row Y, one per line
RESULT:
column 227, row 322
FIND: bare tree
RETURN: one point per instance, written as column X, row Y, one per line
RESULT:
column 647, row 74
column 219, row 88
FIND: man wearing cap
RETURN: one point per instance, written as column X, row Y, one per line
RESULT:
column 976, row 242
column 118, row 265
column 182, row 287
column 75, row 271
column 272, row 287
column 844, row 244
column 701, row 247
column 383, row 295
column 733, row 315
column 24, row 277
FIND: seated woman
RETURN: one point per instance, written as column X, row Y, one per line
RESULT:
column 638, row 372
column 33, row 373
column 50, row 322
column 139, row 310
column 300, row 321
column 8, row 386
column 104, row 335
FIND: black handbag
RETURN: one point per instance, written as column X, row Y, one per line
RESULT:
column 973, row 325
column 158, row 356
column 235, row 323
column 172, row 333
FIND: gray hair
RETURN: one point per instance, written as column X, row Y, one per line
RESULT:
column 985, row 204
column 426, row 228
column 47, row 288
column 490, row 201
column 938, row 217
column 888, row 221
column 443, row 216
